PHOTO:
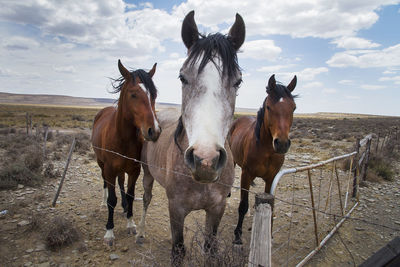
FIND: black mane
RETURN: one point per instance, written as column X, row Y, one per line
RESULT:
column 259, row 121
column 212, row 45
column 118, row 83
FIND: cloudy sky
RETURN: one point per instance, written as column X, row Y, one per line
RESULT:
column 345, row 53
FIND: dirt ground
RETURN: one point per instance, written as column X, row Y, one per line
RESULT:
column 29, row 213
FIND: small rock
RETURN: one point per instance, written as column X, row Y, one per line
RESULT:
column 29, row 250
column 23, row 223
column 29, row 263
column 397, row 222
column 20, row 186
column 359, row 229
column 44, row 264
column 114, row 257
column 124, row 249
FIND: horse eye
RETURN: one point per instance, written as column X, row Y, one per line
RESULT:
column 238, row 83
column 183, row 80
column 268, row 108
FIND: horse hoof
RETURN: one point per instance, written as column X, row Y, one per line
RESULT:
column 109, row 241
column 237, row 242
column 131, row 230
column 140, row 240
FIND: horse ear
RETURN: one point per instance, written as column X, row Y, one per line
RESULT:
column 237, row 33
column 292, row 84
column 124, row 72
column 189, row 32
column 153, row 70
column 271, row 83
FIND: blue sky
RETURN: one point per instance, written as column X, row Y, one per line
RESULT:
column 346, row 54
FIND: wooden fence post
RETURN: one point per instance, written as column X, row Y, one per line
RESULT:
column 45, row 140
column 367, row 152
column 65, row 171
column 261, row 237
column 355, row 184
column 377, row 144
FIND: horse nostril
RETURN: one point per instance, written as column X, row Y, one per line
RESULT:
column 276, row 142
column 150, row 132
column 289, row 143
column 189, row 158
column 222, row 157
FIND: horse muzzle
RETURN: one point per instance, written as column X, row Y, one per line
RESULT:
column 281, row 147
column 151, row 134
column 205, row 165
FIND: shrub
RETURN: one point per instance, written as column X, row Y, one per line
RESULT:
column 17, row 173
column 61, row 232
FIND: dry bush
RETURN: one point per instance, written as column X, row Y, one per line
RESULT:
column 33, row 158
column 83, row 144
column 60, row 232
column 49, row 171
column 17, row 173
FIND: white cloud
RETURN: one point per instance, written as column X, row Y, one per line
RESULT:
column 346, row 82
column 387, row 57
column 329, row 91
column 352, row 97
column 19, row 43
column 65, row 69
column 274, row 68
column 395, row 79
column 304, row 18
column 260, row 50
column 372, row 87
column 312, row 85
column 354, row 43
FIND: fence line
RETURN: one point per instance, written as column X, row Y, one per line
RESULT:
column 294, row 170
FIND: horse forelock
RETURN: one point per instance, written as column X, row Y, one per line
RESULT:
column 213, row 46
column 280, row 91
column 147, row 81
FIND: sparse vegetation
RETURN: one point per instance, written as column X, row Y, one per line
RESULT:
column 61, row 232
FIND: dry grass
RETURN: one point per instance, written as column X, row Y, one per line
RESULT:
column 60, row 232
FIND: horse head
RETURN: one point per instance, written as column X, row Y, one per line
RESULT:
column 137, row 101
column 210, row 79
column 279, row 107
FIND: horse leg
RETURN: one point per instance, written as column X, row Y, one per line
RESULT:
column 213, row 218
column 148, row 181
column 245, row 182
column 121, row 182
column 177, row 220
column 111, row 203
column 105, row 193
column 132, row 178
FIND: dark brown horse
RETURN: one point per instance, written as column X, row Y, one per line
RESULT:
column 259, row 145
column 192, row 159
column 123, row 129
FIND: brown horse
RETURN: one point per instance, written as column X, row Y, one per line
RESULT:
column 259, row 145
column 123, row 129
column 191, row 159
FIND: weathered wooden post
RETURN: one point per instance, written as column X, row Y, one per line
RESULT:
column 260, row 245
column 377, row 144
column 313, row 207
column 45, row 140
column 367, row 151
column 65, row 172
column 355, row 184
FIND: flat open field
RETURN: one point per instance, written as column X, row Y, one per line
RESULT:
column 24, row 230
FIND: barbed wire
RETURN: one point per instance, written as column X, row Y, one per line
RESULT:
column 255, row 193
